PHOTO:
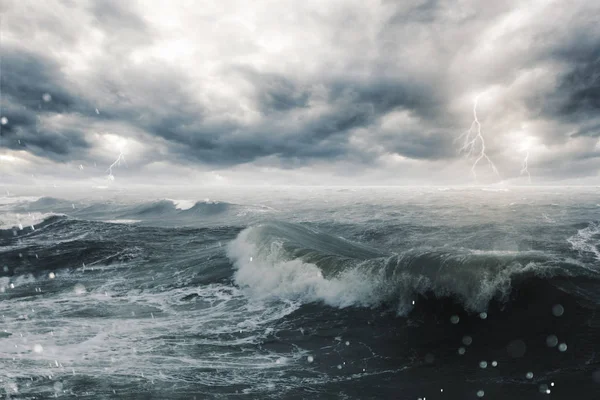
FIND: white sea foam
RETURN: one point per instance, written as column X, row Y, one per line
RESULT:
column 122, row 221
column 266, row 273
column 22, row 221
column 587, row 240
column 182, row 204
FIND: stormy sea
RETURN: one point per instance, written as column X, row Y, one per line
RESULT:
column 300, row 293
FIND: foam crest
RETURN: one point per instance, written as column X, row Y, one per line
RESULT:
column 587, row 240
column 271, row 266
column 265, row 273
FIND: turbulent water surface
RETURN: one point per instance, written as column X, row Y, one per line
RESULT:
column 403, row 293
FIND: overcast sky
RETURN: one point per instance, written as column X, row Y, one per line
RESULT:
column 305, row 92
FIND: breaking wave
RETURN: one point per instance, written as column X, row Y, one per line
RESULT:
column 282, row 260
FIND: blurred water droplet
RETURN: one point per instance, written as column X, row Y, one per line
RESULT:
column 551, row 341
column 467, row 340
column 310, row 359
column 494, row 363
column 79, row 289
column 558, row 310
column 483, row 364
column 38, row 348
column 47, row 97
column 562, row 347
column 480, row 393
column 529, row 375
column 454, row 319
column 51, row 275
column 461, row 350
column 4, row 120
column 483, row 315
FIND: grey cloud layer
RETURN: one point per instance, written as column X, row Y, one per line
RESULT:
column 223, row 100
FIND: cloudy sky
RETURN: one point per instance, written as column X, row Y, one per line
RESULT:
column 300, row 92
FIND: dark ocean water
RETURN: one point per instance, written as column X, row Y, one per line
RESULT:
column 303, row 293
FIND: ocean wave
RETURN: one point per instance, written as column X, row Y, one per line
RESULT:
column 23, row 221
column 587, row 240
column 207, row 207
column 150, row 209
column 281, row 260
column 182, row 204
column 44, row 203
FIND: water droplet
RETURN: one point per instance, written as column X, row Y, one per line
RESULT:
column 483, row 315
column 79, row 289
column 461, row 350
column 516, row 348
column 4, row 120
column 551, row 341
column 483, row 364
column 467, row 340
column 51, row 275
column 38, row 348
column 310, row 359
column 347, row 343
column 529, row 375
column 494, row 363
column 558, row 310
column 454, row 319
column 47, row 97
column 480, row 393
column 562, row 347
column 339, row 366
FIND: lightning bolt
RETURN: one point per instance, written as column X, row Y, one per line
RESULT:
column 473, row 140
column 115, row 164
column 524, row 169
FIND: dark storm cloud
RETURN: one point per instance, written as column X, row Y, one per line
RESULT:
column 322, row 88
column 274, row 92
column 583, row 87
column 32, row 88
column 384, row 95
column 423, row 145
column 590, row 130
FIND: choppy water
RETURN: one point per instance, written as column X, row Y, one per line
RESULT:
column 302, row 293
